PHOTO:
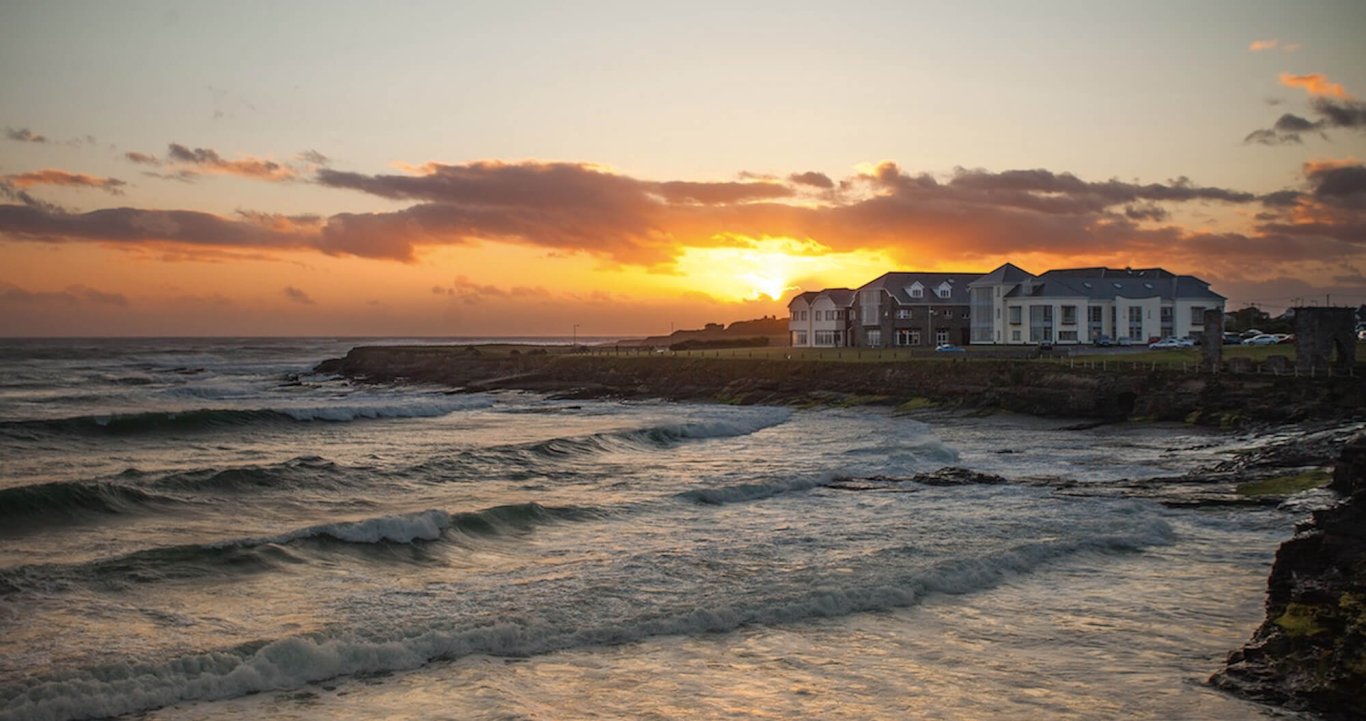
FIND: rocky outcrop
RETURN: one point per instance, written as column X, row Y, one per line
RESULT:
column 1035, row 388
column 1310, row 653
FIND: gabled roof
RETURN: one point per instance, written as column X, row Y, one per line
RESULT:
column 1004, row 275
column 842, row 297
column 896, row 285
column 806, row 297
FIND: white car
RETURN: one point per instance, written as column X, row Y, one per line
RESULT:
column 1263, row 339
column 1172, row 343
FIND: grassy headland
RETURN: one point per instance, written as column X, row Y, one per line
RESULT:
column 1113, row 389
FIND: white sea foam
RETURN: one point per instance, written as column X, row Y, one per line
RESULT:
column 295, row 661
column 750, row 420
column 742, row 492
column 422, row 407
column 426, row 525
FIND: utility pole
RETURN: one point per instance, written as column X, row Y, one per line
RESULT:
column 574, row 343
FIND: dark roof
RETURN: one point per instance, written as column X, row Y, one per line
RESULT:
column 807, row 296
column 1111, row 273
column 1008, row 273
column 843, row 297
column 1109, row 287
column 896, row 285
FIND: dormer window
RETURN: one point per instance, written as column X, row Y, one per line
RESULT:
column 916, row 290
column 944, row 290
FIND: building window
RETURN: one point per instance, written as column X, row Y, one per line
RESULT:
column 907, row 337
column 1135, row 322
column 917, row 291
column 1067, row 336
column 868, row 302
column 1015, row 315
column 827, row 338
column 1040, row 323
column 874, row 338
column 941, row 336
column 1094, row 314
column 799, row 338
column 1198, row 315
column 903, row 313
column 802, row 315
column 948, row 315
column 1069, row 315
column 1015, row 336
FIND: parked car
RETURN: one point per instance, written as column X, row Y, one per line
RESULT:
column 1263, row 339
column 949, row 348
column 1124, row 341
column 1104, row 341
column 1284, row 338
column 1251, row 333
column 1232, row 339
column 1361, row 334
column 1167, row 343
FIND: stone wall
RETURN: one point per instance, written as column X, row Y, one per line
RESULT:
column 1324, row 339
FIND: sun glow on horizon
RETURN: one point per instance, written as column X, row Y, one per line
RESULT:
column 748, row 269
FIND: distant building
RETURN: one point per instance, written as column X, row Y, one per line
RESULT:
column 1008, row 306
column 820, row 319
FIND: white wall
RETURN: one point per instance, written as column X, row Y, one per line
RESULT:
column 821, row 307
column 796, row 323
column 1184, row 328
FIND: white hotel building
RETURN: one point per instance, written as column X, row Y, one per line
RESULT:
column 1010, row 306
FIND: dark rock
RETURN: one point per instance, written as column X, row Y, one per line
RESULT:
column 1041, row 389
column 955, row 476
column 1310, row 653
column 948, row 476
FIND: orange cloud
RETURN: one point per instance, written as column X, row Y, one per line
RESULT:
column 968, row 217
column 205, row 160
column 1258, row 46
column 1314, row 84
column 64, row 179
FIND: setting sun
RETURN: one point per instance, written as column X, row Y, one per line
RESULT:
column 772, row 268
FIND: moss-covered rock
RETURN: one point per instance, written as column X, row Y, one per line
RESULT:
column 1288, row 484
column 1310, row 653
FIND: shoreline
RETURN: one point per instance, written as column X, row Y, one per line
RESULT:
column 1037, row 388
column 1307, row 654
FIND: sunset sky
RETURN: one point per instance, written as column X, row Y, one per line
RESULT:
column 515, row 168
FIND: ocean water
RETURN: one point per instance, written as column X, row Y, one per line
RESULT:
column 204, row 529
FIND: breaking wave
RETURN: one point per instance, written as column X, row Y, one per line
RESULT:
column 35, row 505
column 295, row 661
column 250, row 555
column 742, row 492
column 663, row 435
column 303, row 471
column 210, row 418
